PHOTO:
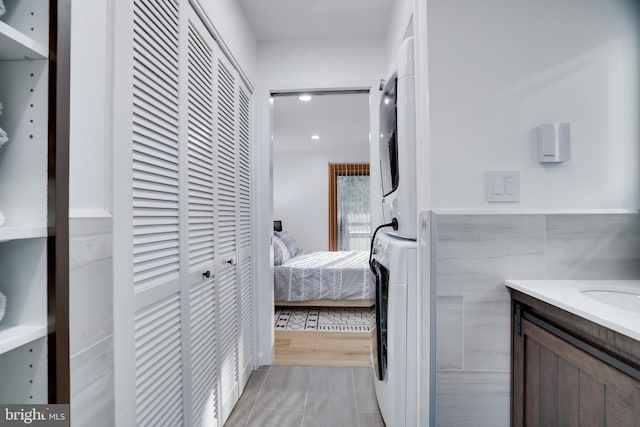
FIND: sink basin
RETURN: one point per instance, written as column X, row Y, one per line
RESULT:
column 626, row 300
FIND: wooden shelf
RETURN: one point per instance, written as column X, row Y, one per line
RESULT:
column 12, row 337
column 16, row 46
column 15, row 233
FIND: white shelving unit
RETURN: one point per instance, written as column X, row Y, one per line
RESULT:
column 13, row 337
column 24, row 232
column 24, row 74
column 15, row 45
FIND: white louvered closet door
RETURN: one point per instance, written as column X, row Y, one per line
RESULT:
column 184, row 338
column 245, row 265
column 201, row 50
column 227, row 244
column 158, row 328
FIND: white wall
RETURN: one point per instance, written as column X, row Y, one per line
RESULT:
column 399, row 27
column 498, row 69
column 322, row 63
column 89, row 174
column 301, row 192
column 90, row 226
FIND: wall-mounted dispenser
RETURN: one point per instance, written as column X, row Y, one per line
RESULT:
column 554, row 143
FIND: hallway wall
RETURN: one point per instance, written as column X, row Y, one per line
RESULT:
column 473, row 256
column 498, row 69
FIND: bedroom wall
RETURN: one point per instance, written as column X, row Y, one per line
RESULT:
column 300, row 192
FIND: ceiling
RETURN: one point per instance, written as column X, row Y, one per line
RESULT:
column 340, row 120
column 277, row 20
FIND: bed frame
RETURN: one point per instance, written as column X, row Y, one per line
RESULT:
column 328, row 303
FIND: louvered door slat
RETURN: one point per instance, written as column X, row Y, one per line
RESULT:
column 199, row 96
column 226, row 161
column 158, row 367
column 246, row 314
column 227, row 242
column 155, row 216
column 155, row 144
column 155, row 187
column 200, row 151
column 148, row 173
column 199, row 147
column 163, row 162
column 155, row 85
column 201, row 225
column 157, row 111
column 203, row 353
column 154, row 132
column 244, row 173
column 200, row 175
column 159, row 18
column 149, row 65
column 200, row 193
column 245, row 340
column 228, row 336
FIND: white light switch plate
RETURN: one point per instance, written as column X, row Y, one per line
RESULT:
column 503, row 186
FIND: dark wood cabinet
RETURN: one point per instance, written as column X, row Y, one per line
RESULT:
column 563, row 374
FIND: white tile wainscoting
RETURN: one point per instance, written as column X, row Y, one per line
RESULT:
column 473, row 255
column 91, row 321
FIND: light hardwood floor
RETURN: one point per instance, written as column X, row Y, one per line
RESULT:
column 322, row 348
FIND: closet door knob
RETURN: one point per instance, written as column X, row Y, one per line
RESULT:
column 207, row 274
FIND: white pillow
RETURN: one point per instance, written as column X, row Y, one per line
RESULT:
column 290, row 241
column 280, row 251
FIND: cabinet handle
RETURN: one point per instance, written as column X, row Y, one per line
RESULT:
column 230, row 261
column 207, row 274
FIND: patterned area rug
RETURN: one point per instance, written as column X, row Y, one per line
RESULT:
column 325, row 319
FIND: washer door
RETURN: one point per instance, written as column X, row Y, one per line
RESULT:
column 382, row 305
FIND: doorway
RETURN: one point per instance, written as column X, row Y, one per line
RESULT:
column 315, row 135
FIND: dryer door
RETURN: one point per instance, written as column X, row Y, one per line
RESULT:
column 382, row 305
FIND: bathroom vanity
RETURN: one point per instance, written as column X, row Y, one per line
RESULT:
column 575, row 353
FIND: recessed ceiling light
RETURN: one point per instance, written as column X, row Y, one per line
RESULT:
column 305, row 98
column 315, row 136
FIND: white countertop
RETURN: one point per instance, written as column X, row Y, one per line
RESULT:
column 565, row 294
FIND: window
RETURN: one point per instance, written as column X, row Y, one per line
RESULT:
column 349, row 207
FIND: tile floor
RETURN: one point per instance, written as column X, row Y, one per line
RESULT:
column 304, row 396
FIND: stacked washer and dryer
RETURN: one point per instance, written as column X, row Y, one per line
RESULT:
column 394, row 252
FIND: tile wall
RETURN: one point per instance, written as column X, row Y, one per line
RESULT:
column 91, row 321
column 474, row 254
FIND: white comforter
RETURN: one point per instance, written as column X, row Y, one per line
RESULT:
column 325, row 275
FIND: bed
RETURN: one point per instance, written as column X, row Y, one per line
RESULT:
column 322, row 278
